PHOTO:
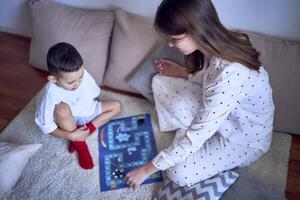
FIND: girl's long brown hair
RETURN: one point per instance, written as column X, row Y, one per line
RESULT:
column 199, row 19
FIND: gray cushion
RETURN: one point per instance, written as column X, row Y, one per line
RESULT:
column 133, row 40
column 141, row 80
column 248, row 187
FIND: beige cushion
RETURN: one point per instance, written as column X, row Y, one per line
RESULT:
column 13, row 159
column 133, row 40
column 280, row 58
column 88, row 31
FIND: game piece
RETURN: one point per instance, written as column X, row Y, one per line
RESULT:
column 141, row 120
column 101, row 135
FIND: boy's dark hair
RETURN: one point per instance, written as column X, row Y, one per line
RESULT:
column 63, row 57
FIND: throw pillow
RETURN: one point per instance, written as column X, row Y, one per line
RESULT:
column 88, row 31
column 142, row 78
column 248, row 187
column 13, row 159
column 133, row 39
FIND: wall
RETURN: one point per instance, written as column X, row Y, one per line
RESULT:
column 279, row 18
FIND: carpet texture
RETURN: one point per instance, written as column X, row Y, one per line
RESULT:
column 54, row 173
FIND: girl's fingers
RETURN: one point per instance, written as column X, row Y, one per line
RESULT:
column 166, row 62
column 159, row 67
column 134, row 186
column 160, row 62
column 157, row 62
column 130, row 184
column 129, row 181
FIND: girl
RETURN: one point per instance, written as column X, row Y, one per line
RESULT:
column 220, row 103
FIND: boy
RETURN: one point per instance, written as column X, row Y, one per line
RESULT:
column 69, row 107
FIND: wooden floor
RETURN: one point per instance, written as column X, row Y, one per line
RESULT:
column 19, row 83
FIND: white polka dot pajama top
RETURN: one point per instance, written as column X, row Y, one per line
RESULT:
column 223, row 115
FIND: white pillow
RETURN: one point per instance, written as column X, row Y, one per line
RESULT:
column 13, row 159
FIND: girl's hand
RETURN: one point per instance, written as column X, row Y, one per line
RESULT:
column 139, row 175
column 79, row 134
column 170, row 68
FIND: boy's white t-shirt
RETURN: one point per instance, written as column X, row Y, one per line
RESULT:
column 81, row 102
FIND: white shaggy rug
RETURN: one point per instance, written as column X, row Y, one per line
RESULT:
column 53, row 173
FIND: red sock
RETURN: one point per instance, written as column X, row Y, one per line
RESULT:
column 84, row 156
column 91, row 127
column 72, row 147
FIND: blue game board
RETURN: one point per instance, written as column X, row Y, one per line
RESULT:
column 124, row 145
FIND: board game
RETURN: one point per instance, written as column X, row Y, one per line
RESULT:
column 125, row 144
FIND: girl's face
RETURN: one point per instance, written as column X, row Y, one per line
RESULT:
column 184, row 43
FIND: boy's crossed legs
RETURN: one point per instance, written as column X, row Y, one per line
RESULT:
column 78, row 134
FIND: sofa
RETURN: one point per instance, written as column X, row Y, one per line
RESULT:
column 116, row 45
column 118, row 49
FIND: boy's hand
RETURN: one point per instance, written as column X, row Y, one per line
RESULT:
column 80, row 134
column 170, row 68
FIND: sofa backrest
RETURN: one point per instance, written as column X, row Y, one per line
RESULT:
column 280, row 58
column 89, row 31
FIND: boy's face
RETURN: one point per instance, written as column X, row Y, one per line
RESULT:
column 68, row 80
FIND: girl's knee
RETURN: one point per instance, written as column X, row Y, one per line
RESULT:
column 183, row 175
column 179, row 177
column 62, row 110
column 157, row 82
